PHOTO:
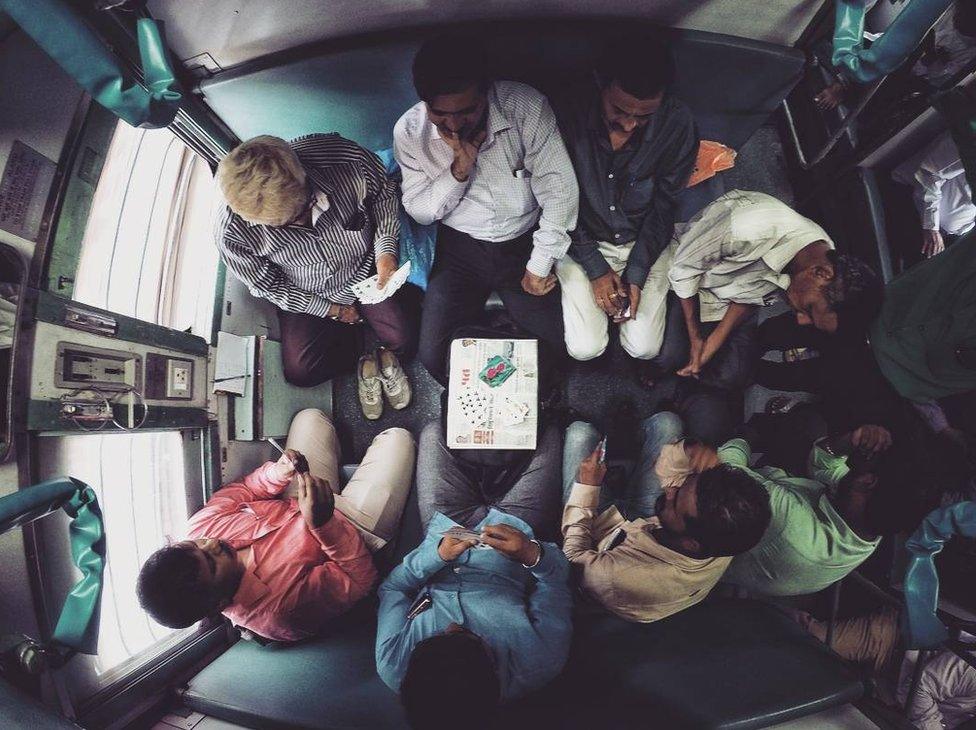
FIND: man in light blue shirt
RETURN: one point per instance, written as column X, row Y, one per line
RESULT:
column 462, row 627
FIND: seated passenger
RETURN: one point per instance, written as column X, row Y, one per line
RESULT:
column 283, row 551
column 661, row 547
column 484, row 158
column 304, row 221
column 460, row 628
column 941, row 193
column 826, row 525
column 945, row 696
column 924, row 339
column 744, row 251
column 633, row 145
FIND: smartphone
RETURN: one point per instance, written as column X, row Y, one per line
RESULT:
column 603, row 450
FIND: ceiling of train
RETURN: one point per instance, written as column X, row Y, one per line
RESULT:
column 236, row 31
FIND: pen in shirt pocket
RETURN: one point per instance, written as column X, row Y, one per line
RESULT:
column 521, row 173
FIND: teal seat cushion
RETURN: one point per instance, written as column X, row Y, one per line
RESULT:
column 723, row 664
column 329, row 682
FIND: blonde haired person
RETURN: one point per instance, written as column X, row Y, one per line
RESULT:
column 304, row 221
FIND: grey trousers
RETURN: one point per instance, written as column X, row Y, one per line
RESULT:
column 643, row 488
column 447, row 485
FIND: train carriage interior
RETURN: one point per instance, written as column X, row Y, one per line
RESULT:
column 140, row 374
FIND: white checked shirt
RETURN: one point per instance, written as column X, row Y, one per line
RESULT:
column 522, row 168
column 939, row 187
column 735, row 250
column 354, row 219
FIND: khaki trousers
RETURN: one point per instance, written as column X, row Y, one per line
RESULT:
column 587, row 326
column 375, row 496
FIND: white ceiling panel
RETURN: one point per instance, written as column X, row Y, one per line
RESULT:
column 235, row 31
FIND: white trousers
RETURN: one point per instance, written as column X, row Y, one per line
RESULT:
column 588, row 327
column 375, row 496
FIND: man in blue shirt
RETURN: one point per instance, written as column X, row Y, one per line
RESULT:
column 462, row 627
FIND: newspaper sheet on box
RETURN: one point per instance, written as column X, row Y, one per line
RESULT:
column 494, row 394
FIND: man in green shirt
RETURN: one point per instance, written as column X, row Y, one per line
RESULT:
column 824, row 526
column 924, row 339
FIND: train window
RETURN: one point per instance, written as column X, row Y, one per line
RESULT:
column 146, row 487
column 148, row 249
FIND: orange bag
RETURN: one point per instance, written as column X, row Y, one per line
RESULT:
column 713, row 157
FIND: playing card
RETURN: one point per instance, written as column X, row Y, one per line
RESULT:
column 462, row 533
column 367, row 292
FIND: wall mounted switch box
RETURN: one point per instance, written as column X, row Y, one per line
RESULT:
column 168, row 378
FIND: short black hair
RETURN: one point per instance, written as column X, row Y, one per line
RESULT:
column 449, row 676
column 640, row 62
column 855, row 293
column 449, row 64
column 733, row 512
column 170, row 590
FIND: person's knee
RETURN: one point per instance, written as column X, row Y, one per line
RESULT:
column 663, row 425
column 586, row 346
column 311, row 419
column 403, row 342
column 640, row 348
column 397, row 437
column 579, row 433
column 303, row 374
column 430, row 436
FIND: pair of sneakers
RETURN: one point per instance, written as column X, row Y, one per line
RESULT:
column 381, row 375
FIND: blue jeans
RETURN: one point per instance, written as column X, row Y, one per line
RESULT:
column 643, row 487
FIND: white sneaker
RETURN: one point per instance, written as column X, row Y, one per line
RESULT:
column 370, row 387
column 396, row 386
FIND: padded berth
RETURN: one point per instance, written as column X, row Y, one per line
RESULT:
column 723, row 664
column 731, row 84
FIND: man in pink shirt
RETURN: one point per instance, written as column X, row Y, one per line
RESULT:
column 279, row 553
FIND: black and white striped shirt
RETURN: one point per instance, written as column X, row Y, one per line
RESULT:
column 306, row 268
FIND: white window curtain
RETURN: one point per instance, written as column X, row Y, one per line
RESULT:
column 148, row 250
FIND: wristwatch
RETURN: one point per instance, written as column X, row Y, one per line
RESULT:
column 537, row 560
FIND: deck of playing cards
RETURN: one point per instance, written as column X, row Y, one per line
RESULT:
column 462, row 533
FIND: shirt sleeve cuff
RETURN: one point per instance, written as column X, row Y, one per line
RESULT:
column 334, row 531
column 553, row 565
column 827, row 468
column 584, row 495
column 593, row 263
column 930, row 220
column 387, row 245
column 272, row 484
column 540, row 263
column 636, row 275
column 318, row 307
column 684, row 289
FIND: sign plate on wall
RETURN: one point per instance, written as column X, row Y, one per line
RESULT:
column 24, row 189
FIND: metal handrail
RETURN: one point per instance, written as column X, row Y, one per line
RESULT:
column 838, row 133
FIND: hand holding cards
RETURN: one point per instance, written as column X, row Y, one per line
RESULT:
column 367, row 292
column 465, row 535
column 456, row 541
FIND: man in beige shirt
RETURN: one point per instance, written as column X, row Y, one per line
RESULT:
column 660, row 547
